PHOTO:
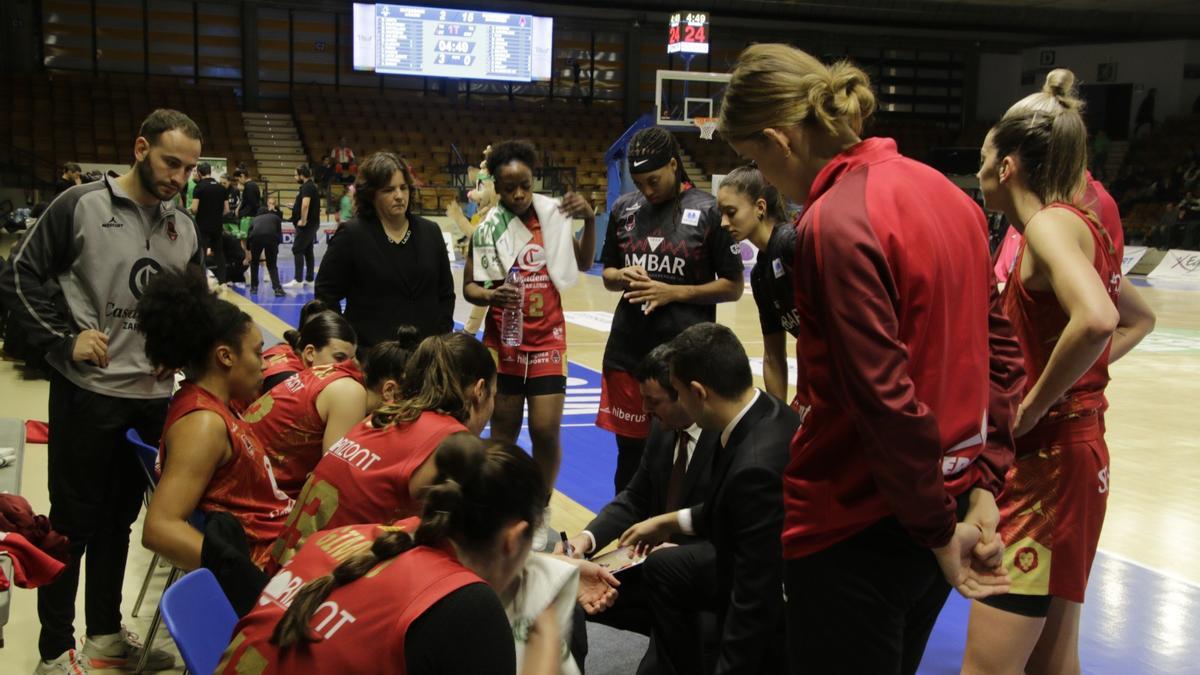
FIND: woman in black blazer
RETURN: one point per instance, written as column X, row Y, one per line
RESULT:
column 389, row 266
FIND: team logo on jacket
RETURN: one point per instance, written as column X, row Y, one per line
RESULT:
column 1026, row 559
column 140, row 275
column 112, row 222
column 172, row 233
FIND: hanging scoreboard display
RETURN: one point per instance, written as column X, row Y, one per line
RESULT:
column 688, row 33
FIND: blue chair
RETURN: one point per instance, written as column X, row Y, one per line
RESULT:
column 200, row 618
column 148, row 456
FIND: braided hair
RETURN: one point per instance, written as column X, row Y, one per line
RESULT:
column 653, row 142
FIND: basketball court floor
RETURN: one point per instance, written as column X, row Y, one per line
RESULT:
column 1144, row 598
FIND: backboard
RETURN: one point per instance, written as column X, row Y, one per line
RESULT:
column 680, row 96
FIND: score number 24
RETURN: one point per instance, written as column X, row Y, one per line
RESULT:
column 690, row 34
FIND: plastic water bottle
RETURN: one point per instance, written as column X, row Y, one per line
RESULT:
column 512, row 324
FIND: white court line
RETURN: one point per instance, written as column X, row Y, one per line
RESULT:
column 1150, row 568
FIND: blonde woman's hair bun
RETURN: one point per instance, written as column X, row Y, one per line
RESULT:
column 1060, row 83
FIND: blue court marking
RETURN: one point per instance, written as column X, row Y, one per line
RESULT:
column 1166, row 284
column 1136, row 620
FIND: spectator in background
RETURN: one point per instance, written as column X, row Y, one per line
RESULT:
column 1145, row 113
column 343, row 160
column 323, row 176
column 210, row 201
column 306, row 217
column 265, row 235
column 71, row 175
column 1189, row 220
column 1191, row 171
column 185, row 196
column 345, row 210
column 236, row 258
column 233, row 190
column 251, row 202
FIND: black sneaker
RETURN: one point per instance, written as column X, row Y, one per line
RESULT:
column 279, row 293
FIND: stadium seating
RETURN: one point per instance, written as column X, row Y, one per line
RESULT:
column 52, row 118
column 423, row 129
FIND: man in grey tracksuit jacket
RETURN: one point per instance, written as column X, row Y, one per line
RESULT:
column 73, row 286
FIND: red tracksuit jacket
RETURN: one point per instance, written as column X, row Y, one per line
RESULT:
column 911, row 369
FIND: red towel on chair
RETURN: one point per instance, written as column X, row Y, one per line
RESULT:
column 37, row 432
column 31, row 566
column 17, row 516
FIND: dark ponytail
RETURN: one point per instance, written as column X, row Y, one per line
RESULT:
column 437, row 377
column 308, row 311
column 480, row 487
column 749, row 181
column 293, row 626
column 387, row 360
column 319, row 330
column 183, row 320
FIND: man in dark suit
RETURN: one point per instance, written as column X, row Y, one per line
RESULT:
column 743, row 517
column 673, row 473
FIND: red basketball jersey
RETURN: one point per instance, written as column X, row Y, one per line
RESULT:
column 243, row 487
column 364, row 479
column 280, row 359
column 363, row 624
column 545, row 328
column 286, row 420
column 1038, row 320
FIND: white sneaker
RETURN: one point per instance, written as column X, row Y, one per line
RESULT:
column 294, row 283
column 122, row 650
column 67, row 663
column 310, row 285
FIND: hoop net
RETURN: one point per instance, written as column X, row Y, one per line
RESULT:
column 707, row 125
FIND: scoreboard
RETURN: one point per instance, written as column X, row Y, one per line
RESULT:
column 688, row 33
column 458, row 43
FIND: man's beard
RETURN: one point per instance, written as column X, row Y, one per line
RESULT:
column 145, row 176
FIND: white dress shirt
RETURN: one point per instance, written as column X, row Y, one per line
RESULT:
column 693, row 436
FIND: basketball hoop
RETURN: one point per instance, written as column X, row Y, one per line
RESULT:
column 707, row 126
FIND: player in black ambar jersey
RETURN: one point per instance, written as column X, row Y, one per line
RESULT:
column 666, row 253
column 752, row 210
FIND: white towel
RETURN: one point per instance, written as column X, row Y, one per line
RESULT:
column 544, row 582
column 502, row 235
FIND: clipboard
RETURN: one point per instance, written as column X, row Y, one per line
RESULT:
column 619, row 560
